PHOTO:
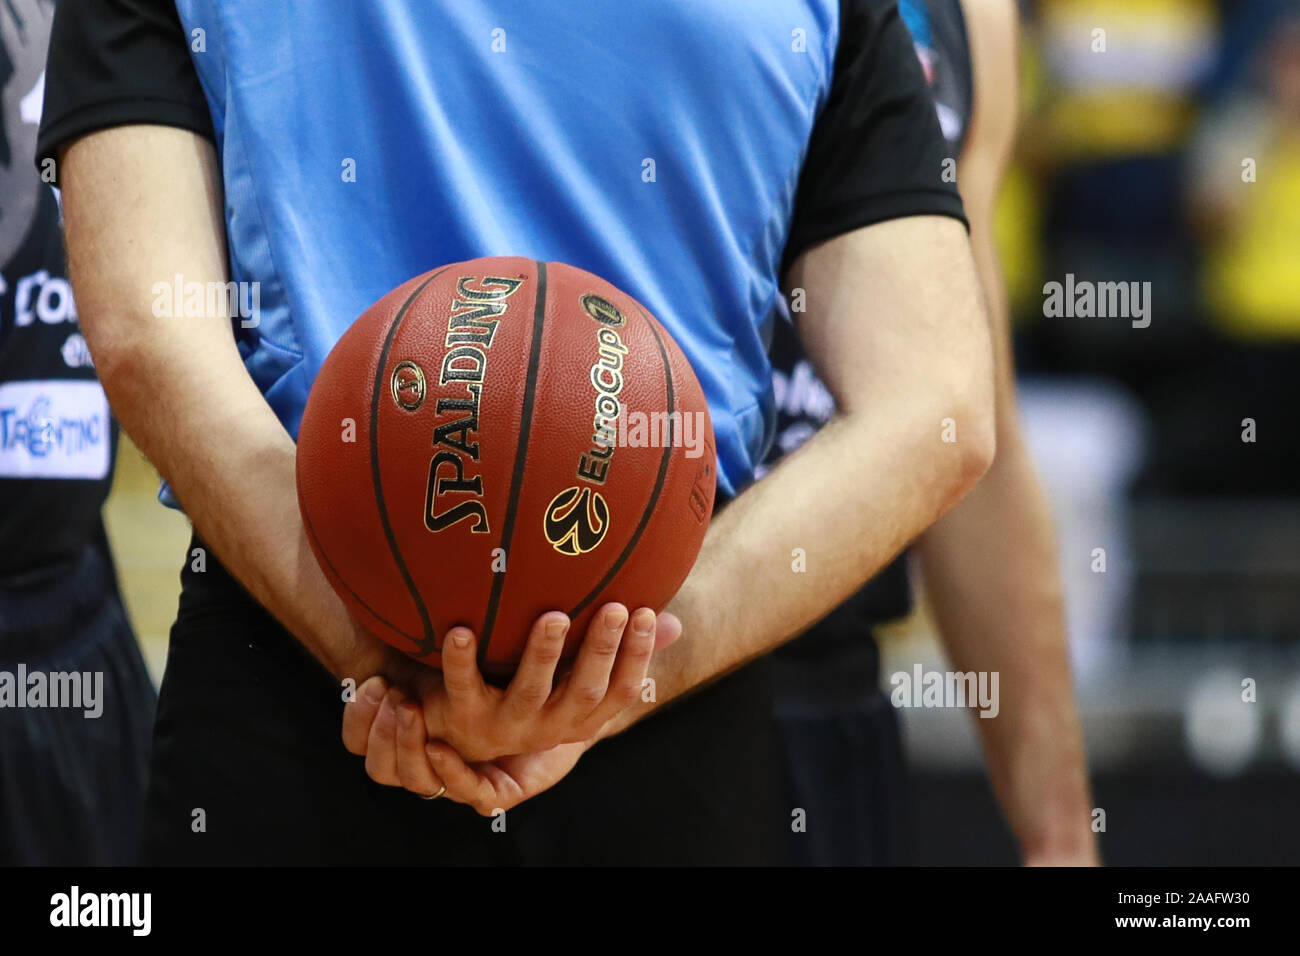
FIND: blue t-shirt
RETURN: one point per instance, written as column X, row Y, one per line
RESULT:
column 685, row 150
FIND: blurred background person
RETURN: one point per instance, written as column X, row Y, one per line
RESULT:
column 1245, row 197
column 1169, row 451
column 988, row 567
column 71, row 776
column 1243, row 203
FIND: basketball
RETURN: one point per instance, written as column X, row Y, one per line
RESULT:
column 496, row 439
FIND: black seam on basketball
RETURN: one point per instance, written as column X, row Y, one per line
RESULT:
column 659, row 481
column 429, row 643
column 311, row 530
column 521, row 458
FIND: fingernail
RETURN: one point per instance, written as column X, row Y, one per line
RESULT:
column 408, row 717
column 615, row 618
column 555, row 630
column 461, row 640
column 643, row 622
column 374, row 693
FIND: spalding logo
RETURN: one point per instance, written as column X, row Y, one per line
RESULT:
column 576, row 520
column 408, row 385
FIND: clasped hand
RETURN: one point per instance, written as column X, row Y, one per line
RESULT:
column 426, row 730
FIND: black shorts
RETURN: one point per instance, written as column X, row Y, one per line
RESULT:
column 698, row 784
column 248, row 767
column 843, row 748
column 72, row 784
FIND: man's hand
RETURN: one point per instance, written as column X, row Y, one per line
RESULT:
column 506, row 782
column 534, row 714
column 399, row 754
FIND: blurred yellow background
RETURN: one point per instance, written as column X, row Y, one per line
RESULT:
column 149, row 545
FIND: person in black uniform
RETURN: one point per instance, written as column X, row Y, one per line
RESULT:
column 73, row 760
column 989, row 566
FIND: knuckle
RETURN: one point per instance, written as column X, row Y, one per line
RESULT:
column 549, row 654
column 457, row 682
column 531, row 696
column 409, row 734
column 625, row 693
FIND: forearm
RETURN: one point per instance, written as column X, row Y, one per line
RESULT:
column 796, row 544
column 990, row 571
column 914, row 432
column 231, row 464
column 177, row 384
column 990, row 567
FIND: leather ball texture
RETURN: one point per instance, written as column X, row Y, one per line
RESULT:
column 499, row 438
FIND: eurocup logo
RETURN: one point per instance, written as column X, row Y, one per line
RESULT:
column 602, row 310
column 408, row 386
column 576, row 521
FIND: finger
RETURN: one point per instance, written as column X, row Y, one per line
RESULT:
column 506, row 791
column 360, row 714
column 381, row 746
column 668, row 628
column 464, row 784
column 531, row 686
column 630, row 669
column 413, row 768
column 585, row 689
column 460, row 674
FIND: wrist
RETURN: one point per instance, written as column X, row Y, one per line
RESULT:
column 348, row 652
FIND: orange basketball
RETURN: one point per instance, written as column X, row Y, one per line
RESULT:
column 500, row 438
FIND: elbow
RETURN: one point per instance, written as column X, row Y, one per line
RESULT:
column 114, row 363
column 119, row 344
column 976, row 441
column 978, row 457
column 122, row 366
